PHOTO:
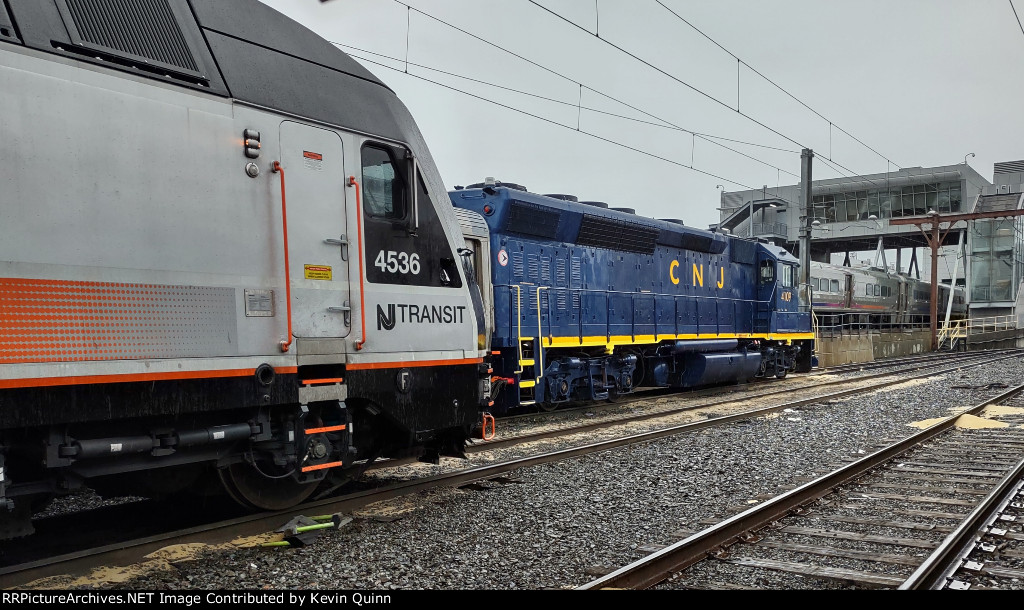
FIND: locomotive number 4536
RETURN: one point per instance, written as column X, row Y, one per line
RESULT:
column 398, row 262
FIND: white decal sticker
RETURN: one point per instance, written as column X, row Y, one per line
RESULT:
column 502, row 257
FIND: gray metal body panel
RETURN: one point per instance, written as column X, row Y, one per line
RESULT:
column 109, row 178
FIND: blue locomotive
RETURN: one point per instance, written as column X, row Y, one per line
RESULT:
column 590, row 302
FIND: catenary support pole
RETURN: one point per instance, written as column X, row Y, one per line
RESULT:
column 806, row 157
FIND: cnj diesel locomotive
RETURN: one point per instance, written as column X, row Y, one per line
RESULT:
column 589, row 302
column 225, row 253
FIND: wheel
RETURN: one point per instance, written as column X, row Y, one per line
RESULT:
column 547, row 407
column 780, row 372
column 626, row 382
column 254, row 489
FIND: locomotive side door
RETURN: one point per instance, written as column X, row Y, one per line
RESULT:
column 317, row 230
column 848, row 294
column 767, row 293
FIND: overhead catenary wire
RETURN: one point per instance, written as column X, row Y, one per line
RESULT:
column 686, row 84
column 671, row 76
column 776, row 85
column 582, row 85
column 579, row 105
column 1014, row 9
column 834, row 165
column 569, row 127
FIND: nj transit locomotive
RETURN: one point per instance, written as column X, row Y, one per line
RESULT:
column 225, row 252
column 590, row 302
column 874, row 296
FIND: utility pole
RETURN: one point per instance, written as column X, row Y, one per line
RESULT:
column 806, row 157
column 934, row 238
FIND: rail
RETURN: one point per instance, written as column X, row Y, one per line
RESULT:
column 827, row 326
column 960, row 329
column 775, row 229
column 990, row 324
column 737, row 310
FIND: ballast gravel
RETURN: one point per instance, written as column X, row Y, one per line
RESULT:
column 560, row 525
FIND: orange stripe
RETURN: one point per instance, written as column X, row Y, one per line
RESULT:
column 322, row 430
column 320, row 466
column 312, row 381
column 94, row 379
column 413, row 364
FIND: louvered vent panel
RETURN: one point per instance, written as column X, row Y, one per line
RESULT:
column 617, row 235
column 146, row 29
column 560, row 277
column 576, row 271
column 532, row 267
column 517, row 265
column 1009, row 167
column 529, row 219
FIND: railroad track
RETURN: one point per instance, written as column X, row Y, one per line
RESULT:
column 887, row 362
column 121, row 552
column 621, row 412
column 942, row 508
column 642, row 394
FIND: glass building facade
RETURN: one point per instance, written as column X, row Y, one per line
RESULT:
column 912, row 200
column 995, row 251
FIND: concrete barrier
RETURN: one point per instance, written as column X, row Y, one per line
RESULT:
column 870, row 346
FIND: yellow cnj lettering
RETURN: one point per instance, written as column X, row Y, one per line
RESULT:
column 672, row 272
column 698, row 275
column 721, row 278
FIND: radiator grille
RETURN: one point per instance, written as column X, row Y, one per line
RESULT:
column 529, row 219
column 616, row 234
column 132, row 29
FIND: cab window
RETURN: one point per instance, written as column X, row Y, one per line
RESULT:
column 383, row 184
column 767, row 272
column 787, row 276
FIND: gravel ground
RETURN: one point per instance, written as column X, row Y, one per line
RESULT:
column 558, row 525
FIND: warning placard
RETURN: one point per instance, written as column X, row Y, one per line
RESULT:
column 318, row 272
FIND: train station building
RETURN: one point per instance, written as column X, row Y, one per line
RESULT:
column 852, row 223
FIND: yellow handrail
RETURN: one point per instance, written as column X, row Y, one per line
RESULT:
column 519, row 328
column 540, row 337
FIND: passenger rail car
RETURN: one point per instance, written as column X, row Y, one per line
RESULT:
column 879, row 297
column 590, row 302
column 225, row 253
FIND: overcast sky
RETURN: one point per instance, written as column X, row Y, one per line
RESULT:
column 921, row 82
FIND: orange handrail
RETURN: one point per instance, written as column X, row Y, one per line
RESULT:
column 487, row 418
column 285, row 345
column 362, row 301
